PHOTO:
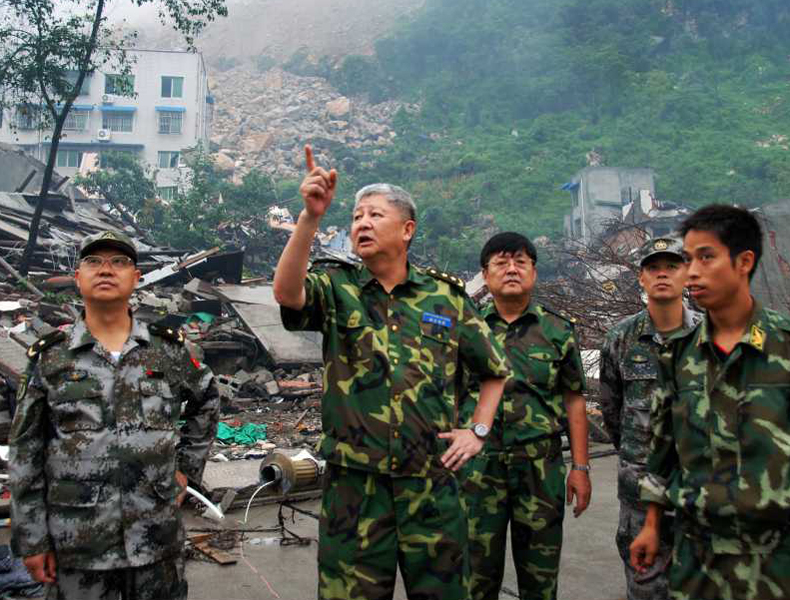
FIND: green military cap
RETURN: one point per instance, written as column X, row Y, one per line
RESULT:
column 111, row 239
column 660, row 245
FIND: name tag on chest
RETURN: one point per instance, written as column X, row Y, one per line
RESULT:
column 435, row 319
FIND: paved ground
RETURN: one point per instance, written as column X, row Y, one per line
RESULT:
column 591, row 568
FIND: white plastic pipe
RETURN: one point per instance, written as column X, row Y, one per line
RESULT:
column 213, row 510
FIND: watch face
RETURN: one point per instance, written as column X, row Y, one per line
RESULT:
column 480, row 430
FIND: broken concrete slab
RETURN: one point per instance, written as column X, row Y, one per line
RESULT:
column 261, row 314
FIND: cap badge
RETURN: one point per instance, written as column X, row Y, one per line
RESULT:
column 660, row 245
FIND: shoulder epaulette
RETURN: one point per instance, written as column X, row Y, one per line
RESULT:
column 45, row 342
column 168, row 333
column 569, row 319
column 451, row 279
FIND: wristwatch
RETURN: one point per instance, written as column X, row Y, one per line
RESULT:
column 481, row 430
column 585, row 468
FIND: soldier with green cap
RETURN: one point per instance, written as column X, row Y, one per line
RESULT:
column 629, row 377
column 720, row 444
column 396, row 340
column 99, row 459
column 520, row 477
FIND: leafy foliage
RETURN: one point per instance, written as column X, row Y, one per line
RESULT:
column 514, row 94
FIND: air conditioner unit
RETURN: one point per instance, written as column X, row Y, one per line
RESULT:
column 104, row 135
column 107, row 99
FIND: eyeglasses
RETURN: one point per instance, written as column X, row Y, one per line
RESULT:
column 118, row 262
column 500, row 264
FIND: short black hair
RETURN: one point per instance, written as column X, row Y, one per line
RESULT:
column 736, row 228
column 508, row 242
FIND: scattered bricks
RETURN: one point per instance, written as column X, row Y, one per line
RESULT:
column 272, row 388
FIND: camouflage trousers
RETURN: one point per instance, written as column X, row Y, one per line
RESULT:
column 370, row 524
column 697, row 573
column 162, row 580
column 527, row 490
column 653, row 586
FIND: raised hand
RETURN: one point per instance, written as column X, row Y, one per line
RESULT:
column 318, row 186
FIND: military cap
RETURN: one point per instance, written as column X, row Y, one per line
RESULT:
column 660, row 245
column 112, row 239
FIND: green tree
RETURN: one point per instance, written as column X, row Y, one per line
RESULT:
column 50, row 47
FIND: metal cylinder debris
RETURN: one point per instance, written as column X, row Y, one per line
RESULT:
column 286, row 473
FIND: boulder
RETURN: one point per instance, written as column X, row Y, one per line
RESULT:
column 339, row 108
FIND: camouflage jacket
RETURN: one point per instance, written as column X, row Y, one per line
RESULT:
column 95, row 445
column 392, row 364
column 545, row 360
column 629, row 376
column 720, row 449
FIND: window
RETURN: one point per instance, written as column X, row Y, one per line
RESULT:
column 76, row 120
column 117, row 121
column 168, row 160
column 172, row 87
column 69, row 158
column 27, row 117
column 169, row 122
column 121, row 85
column 166, row 193
column 72, row 76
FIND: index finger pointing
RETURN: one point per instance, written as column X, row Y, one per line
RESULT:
column 308, row 154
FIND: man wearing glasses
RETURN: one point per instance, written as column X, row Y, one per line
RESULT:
column 519, row 478
column 98, row 464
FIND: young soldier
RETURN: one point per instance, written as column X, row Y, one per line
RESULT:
column 520, row 477
column 98, row 462
column 720, row 448
column 396, row 340
column 629, row 372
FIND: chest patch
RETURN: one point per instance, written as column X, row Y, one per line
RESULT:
column 435, row 319
column 639, row 358
column 76, row 375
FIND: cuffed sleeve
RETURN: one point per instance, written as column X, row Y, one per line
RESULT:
column 200, row 416
column 26, row 479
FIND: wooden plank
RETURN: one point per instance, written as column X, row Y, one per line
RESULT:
column 215, row 554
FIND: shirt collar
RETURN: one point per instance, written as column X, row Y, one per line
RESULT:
column 81, row 336
column 490, row 312
column 413, row 275
column 756, row 333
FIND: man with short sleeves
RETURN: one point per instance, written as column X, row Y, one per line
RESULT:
column 396, row 341
column 520, row 477
column 720, row 444
column 99, row 457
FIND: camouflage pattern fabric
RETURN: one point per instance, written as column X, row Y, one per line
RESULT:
column 629, row 377
column 698, row 573
column 392, row 364
column 369, row 522
column 630, row 523
column 521, row 477
column 162, row 580
column 527, row 490
column 720, row 455
column 95, row 445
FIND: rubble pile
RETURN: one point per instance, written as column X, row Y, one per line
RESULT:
column 264, row 119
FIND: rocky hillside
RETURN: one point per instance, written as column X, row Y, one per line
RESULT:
column 263, row 120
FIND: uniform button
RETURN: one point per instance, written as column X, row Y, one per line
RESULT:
column 394, row 328
column 396, row 434
column 395, row 361
column 396, row 397
column 395, row 464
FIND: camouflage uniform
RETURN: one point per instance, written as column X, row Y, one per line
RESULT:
column 629, row 377
column 392, row 364
column 94, row 450
column 520, row 475
column 720, row 455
